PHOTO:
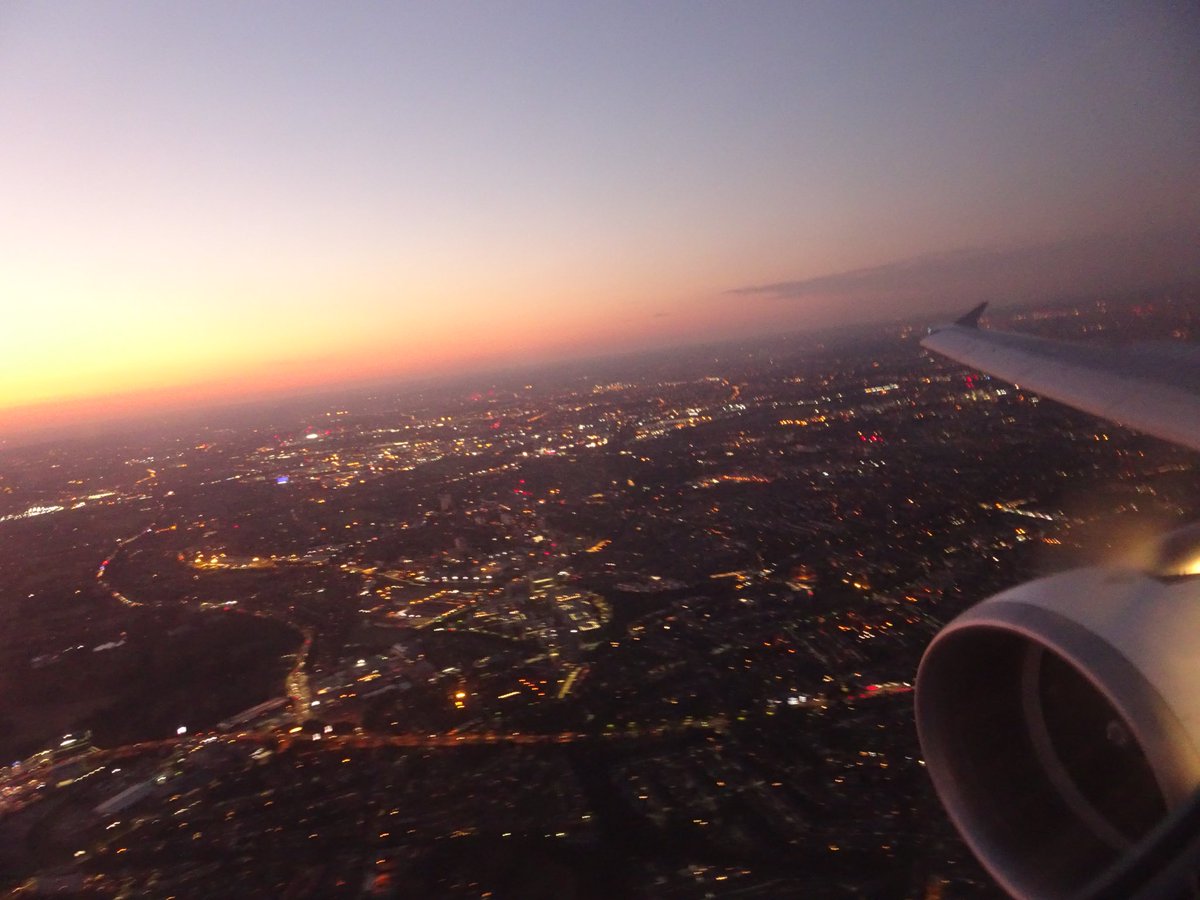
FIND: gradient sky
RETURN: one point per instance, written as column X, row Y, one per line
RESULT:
column 210, row 200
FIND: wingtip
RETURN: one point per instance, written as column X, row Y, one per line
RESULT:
column 971, row 319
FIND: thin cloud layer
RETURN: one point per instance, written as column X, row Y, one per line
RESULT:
column 1097, row 264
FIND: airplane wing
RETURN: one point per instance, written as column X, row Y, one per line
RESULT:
column 1150, row 388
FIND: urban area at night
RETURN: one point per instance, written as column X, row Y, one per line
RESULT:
column 643, row 627
column 621, row 451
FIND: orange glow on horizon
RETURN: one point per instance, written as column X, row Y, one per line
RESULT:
column 158, row 372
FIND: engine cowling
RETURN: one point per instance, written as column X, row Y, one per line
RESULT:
column 1060, row 722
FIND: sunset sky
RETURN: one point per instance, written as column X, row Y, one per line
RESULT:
column 204, row 201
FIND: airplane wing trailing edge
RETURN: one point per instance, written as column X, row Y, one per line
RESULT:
column 1154, row 388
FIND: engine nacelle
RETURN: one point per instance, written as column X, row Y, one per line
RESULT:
column 1060, row 722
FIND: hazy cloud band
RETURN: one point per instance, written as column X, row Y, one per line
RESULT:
column 1106, row 263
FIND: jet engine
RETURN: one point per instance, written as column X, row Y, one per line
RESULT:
column 1060, row 722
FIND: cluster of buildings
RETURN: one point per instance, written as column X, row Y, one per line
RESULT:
column 654, row 635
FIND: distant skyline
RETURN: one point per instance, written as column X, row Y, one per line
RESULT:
column 210, row 201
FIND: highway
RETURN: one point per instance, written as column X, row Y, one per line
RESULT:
column 20, row 787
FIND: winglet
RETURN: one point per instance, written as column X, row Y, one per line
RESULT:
column 971, row 319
